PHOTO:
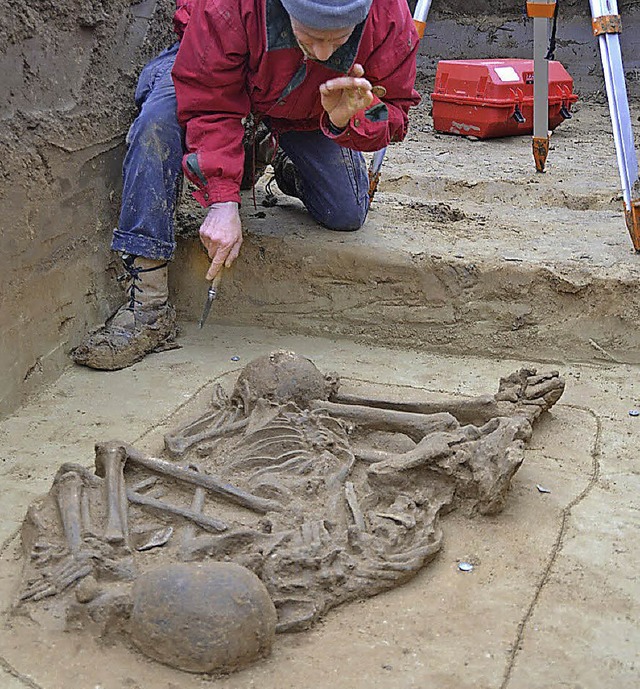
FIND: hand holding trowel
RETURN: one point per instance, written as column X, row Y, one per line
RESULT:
column 221, row 236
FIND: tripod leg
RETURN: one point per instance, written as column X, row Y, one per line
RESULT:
column 607, row 27
column 541, row 11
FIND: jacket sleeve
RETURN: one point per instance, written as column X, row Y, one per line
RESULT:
column 391, row 64
column 181, row 16
column 209, row 76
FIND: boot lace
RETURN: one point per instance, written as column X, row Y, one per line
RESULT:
column 270, row 199
column 132, row 273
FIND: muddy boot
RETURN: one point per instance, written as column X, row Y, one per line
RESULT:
column 146, row 323
column 259, row 150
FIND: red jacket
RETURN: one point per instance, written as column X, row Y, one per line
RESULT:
column 240, row 56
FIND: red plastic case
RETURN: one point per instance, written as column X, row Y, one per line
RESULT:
column 490, row 98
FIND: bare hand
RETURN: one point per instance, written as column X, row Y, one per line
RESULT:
column 343, row 97
column 221, row 236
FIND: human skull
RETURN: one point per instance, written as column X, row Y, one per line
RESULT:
column 202, row 617
column 283, row 377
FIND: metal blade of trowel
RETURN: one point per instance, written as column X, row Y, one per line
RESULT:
column 212, row 295
column 607, row 26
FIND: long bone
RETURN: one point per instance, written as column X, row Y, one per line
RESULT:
column 68, row 497
column 477, row 410
column 110, row 460
column 524, row 392
column 354, row 506
column 85, row 512
column 197, row 505
column 207, row 481
column 416, row 426
column 208, row 523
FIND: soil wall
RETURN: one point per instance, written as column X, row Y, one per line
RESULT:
column 68, row 71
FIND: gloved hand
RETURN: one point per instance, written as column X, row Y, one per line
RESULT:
column 221, row 236
column 343, row 97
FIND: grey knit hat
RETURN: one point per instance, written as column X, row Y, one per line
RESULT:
column 328, row 14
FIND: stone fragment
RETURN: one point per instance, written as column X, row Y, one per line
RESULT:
column 87, row 590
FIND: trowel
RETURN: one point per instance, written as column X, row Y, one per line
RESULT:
column 212, row 295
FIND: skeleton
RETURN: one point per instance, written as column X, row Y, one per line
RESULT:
column 325, row 495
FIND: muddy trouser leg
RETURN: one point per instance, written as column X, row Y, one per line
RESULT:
column 333, row 181
column 152, row 169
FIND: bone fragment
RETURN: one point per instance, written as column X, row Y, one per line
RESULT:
column 220, row 546
column 371, row 456
column 354, row 506
column 403, row 519
column 207, row 481
column 145, row 483
column 157, row 539
column 197, row 505
column 85, row 512
column 426, row 452
column 110, row 461
column 33, row 515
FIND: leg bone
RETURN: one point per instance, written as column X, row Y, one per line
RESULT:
column 110, row 461
column 68, row 491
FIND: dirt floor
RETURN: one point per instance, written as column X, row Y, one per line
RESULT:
column 552, row 599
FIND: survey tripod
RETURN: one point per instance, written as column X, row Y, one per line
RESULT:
column 607, row 26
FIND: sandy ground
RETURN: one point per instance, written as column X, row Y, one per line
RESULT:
column 553, row 598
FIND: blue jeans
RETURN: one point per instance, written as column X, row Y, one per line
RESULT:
column 152, row 169
column 334, row 179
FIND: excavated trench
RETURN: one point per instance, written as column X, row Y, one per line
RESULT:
column 468, row 259
column 465, row 250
